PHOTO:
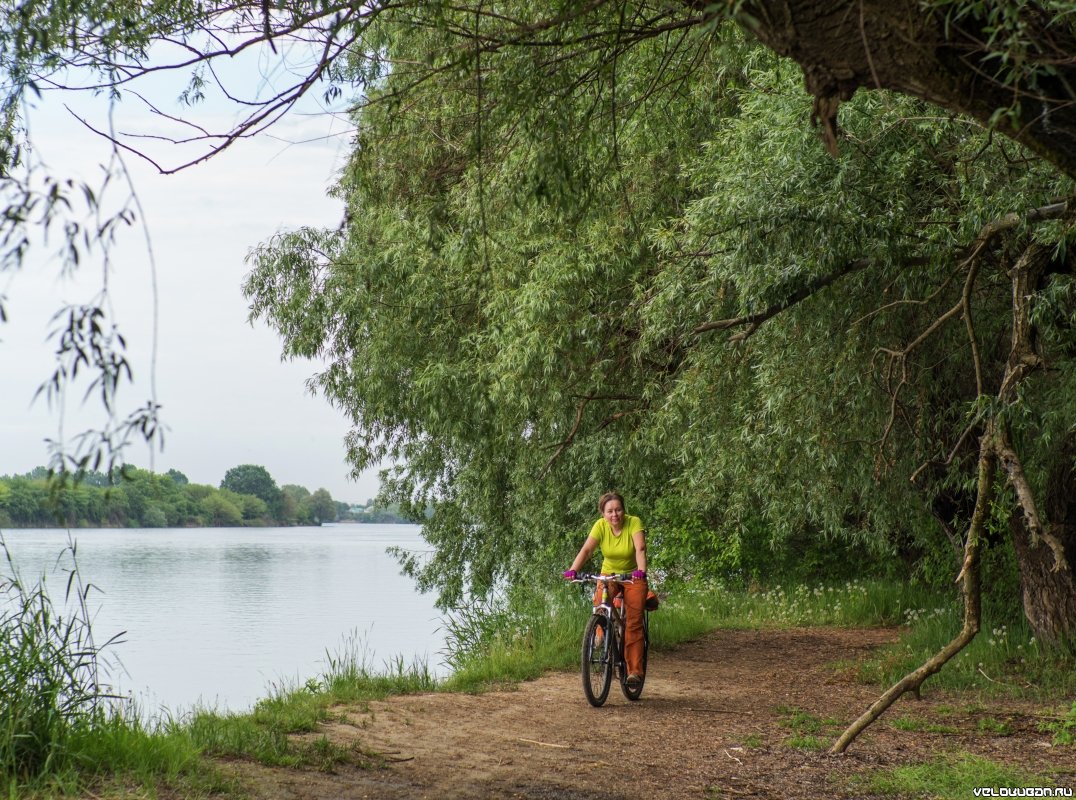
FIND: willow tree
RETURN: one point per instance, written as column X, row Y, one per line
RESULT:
column 599, row 242
column 624, row 258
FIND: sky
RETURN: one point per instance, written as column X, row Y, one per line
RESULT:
column 226, row 396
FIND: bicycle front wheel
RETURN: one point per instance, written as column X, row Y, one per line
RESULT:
column 597, row 659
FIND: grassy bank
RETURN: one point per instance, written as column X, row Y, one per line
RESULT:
column 67, row 749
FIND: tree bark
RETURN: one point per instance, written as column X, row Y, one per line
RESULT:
column 1049, row 593
column 897, row 45
column 1045, row 544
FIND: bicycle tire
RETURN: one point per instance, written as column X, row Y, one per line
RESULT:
column 596, row 663
column 637, row 692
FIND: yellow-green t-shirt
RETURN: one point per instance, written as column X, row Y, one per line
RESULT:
column 618, row 551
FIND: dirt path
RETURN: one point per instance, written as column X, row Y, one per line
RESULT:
column 715, row 720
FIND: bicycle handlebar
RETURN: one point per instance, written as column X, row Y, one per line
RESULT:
column 586, row 577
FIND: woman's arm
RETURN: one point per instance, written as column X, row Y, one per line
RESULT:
column 585, row 552
column 640, row 550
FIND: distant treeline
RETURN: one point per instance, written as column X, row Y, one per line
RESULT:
column 138, row 498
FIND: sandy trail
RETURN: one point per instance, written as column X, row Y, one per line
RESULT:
column 715, row 720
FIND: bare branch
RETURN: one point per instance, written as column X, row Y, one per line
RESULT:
column 965, row 307
column 579, row 415
column 563, row 445
column 956, row 447
column 756, row 319
column 962, row 308
column 925, row 301
column 971, row 589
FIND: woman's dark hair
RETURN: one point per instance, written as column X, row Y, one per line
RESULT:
column 605, row 498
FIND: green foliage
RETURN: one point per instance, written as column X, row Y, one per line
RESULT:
column 374, row 513
column 322, row 506
column 139, row 498
column 178, row 478
column 548, row 244
column 219, row 510
column 685, row 546
column 526, row 307
column 251, row 479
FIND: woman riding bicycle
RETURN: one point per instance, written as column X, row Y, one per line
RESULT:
column 622, row 540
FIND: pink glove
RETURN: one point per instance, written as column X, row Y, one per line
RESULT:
column 569, row 574
column 639, row 575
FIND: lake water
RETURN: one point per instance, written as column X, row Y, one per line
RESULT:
column 217, row 616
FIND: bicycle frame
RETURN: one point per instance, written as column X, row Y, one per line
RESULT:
column 614, row 611
column 603, row 643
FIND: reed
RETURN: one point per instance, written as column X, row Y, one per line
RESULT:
column 61, row 728
column 50, row 687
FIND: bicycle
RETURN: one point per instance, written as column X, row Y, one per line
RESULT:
column 603, row 644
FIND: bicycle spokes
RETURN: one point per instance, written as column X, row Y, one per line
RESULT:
column 597, row 659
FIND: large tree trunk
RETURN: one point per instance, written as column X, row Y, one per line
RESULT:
column 1049, row 592
column 896, row 44
column 1045, row 543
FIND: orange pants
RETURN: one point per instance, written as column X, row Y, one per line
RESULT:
column 634, row 602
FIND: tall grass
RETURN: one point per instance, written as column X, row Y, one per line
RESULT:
column 503, row 642
column 1003, row 659
column 61, row 728
column 853, row 603
column 266, row 733
column 50, row 688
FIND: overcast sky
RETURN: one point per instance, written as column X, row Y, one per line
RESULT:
column 227, row 398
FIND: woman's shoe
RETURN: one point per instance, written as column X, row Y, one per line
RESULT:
column 635, row 680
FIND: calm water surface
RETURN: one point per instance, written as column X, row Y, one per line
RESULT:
column 217, row 616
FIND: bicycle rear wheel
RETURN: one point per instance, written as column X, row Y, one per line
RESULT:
column 634, row 693
column 597, row 659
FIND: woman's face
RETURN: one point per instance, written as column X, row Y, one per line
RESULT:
column 614, row 513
